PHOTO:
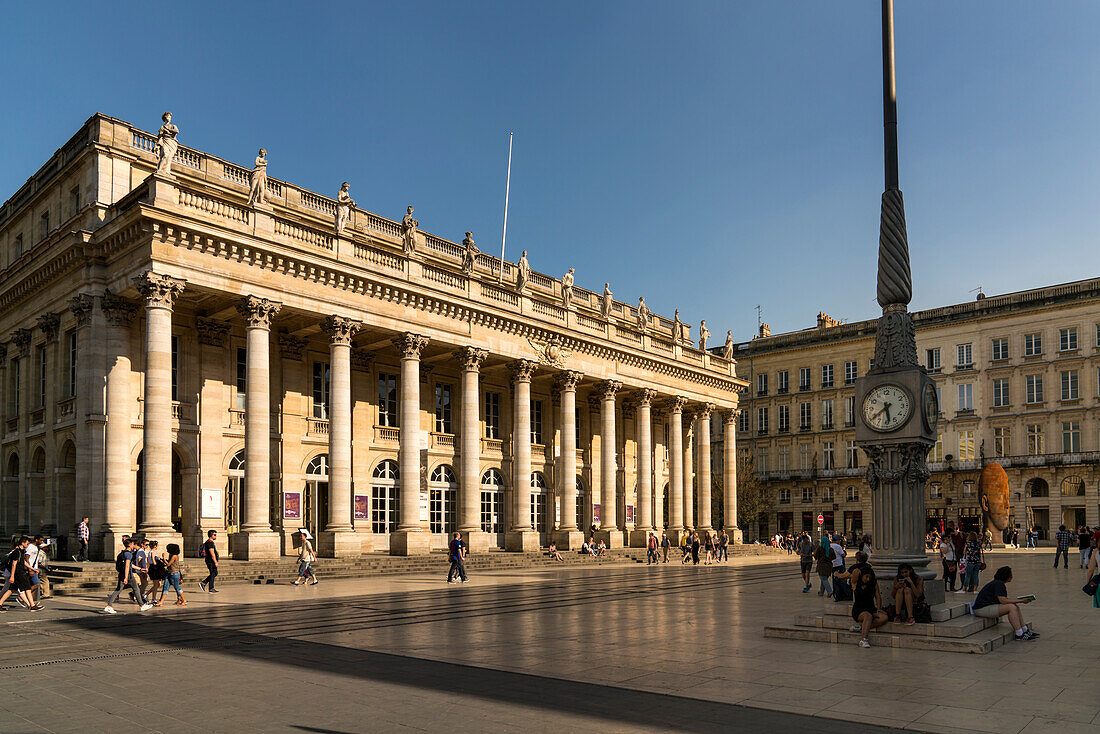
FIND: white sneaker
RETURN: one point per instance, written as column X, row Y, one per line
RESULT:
column 453, row 581
column 465, row 581
column 864, row 643
column 109, row 609
column 961, row 591
column 855, row 628
column 297, row 583
column 146, row 607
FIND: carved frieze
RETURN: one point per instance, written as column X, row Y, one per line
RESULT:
column 291, row 347
column 118, row 311
column 212, row 333
column 522, row 370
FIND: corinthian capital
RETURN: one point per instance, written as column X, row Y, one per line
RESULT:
column 565, row 381
column 644, row 398
column 410, row 345
column 159, row 291
column 471, row 358
column 340, row 330
column 608, row 388
column 49, row 323
column 675, row 404
column 258, row 312
column 730, row 415
column 705, row 410
column 81, row 305
column 522, row 370
column 118, row 310
column 21, row 338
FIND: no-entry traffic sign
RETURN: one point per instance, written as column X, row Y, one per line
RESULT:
column 820, row 519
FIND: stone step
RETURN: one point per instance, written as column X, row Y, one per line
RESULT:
column 979, row 643
column 940, row 612
column 956, row 628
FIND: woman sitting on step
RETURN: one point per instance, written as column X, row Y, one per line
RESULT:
column 908, row 593
column 993, row 602
column 867, row 607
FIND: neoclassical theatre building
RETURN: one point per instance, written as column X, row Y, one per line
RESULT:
column 188, row 344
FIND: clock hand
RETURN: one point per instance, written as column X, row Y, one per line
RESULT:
column 886, row 407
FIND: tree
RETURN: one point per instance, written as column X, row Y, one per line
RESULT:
column 754, row 500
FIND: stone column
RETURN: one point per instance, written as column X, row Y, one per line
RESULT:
column 521, row 536
column 256, row 538
column 687, row 467
column 160, row 293
column 729, row 474
column 116, row 520
column 675, row 407
column 411, row 537
column 610, row 532
column 469, row 454
column 21, row 340
column 595, row 446
column 702, row 441
column 339, row 538
column 569, row 536
column 643, row 400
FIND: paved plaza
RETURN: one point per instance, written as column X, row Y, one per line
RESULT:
column 618, row 648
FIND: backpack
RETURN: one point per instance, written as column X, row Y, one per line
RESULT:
column 1089, row 589
column 158, row 570
column 120, row 562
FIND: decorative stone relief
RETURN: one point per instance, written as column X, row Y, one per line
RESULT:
column 3, row 354
column 567, row 380
column 567, row 290
column 705, row 410
column 704, row 334
column 118, row 311
column 552, row 353
column 895, row 339
column 593, row 402
column 257, row 180
column 340, row 330
column 644, row 397
column 522, row 370
column 50, row 324
column 675, row 404
column 911, row 469
column 361, row 359
column 81, row 305
column 410, row 345
column 408, row 231
column 212, row 333
column 729, row 415
column 159, row 291
column 166, row 144
column 523, row 272
column 677, row 328
column 258, row 312
column 608, row 388
column 471, row 358
column 292, row 347
column 469, row 257
column 344, row 204
column 21, row 338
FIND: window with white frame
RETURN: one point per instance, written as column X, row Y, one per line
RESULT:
column 1000, row 349
column 1000, row 392
column 827, row 459
column 851, row 371
column 826, row 375
column 536, row 422
column 964, row 356
column 826, row 494
column 784, row 459
column 1071, row 437
column 784, row 418
column 742, row 422
column 966, row 396
column 762, row 421
column 937, row 448
column 782, row 382
column 762, row 384
column 966, row 445
column 803, row 378
column 932, row 359
column 1067, row 339
column 1035, row 444
column 826, row 414
column 1034, row 385
column 807, row 495
column 71, row 361
column 1033, row 344
column 1002, row 441
column 321, row 385
column 851, row 455
column 849, row 411
column 385, row 497
column 242, row 376
column 804, row 416
column 762, row 461
column 935, row 490
column 784, row 496
column 852, row 494
column 387, row 400
column 968, row 489
column 444, row 422
column 805, row 457
column 492, row 415
column 1069, row 385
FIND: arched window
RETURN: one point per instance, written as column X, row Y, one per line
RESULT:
column 68, row 456
column 234, row 494
column 1073, row 487
column 318, row 466
column 1037, row 487
column 38, row 461
column 443, row 500
column 13, row 466
column 492, row 501
column 538, row 502
column 385, row 497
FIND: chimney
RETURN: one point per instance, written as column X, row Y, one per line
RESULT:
column 765, row 330
column 825, row 321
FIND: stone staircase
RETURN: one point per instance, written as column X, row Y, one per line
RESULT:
column 953, row 629
column 67, row 578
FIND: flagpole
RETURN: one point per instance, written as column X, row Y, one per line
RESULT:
column 507, row 186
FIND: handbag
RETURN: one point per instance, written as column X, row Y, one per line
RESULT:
column 982, row 567
column 1090, row 588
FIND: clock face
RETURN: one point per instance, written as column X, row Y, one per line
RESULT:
column 931, row 406
column 887, row 408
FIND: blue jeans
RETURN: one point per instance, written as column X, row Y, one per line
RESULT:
column 172, row 580
column 971, row 576
column 1064, row 552
column 826, row 585
column 1030, row 542
column 723, row 553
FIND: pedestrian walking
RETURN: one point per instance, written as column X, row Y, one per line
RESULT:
column 708, row 548
column 694, row 548
column 666, row 546
column 38, row 562
column 140, row 566
column 685, row 547
column 651, row 550
column 724, row 546
column 987, row 540
column 17, row 577
column 949, row 561
column 805, row 559
column 82, row 538
column 126, row 576
column 823, row 555
column 1084, row 543
column 157, row 574
column 173, row 576
column 1063, row 538
column 210, row 555
column 1032, row 538
column 972, row 557
column 456, row 553
column 306, row 558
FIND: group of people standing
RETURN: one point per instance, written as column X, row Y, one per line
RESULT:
column 25, row 573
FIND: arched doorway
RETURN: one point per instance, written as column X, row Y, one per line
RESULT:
column 37, row 502
column 582, row 503
column 443, row 504
column 66, row 497
column 492, row 506
column 385, row 496
column 177, row 491
column 234, row 494
column 1073, row 502
column 664, row 507
column 315, row 512
column 539, row 518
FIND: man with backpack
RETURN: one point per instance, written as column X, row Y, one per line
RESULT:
column 210, row 555
column 126, row 576
column 456, row 551
column 36, row 560
column 16, row 574
column 666, row 545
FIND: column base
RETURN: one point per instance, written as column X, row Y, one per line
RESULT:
column 410, row 543
column 338, row 543
column 477, row 541
column 612, row 538
column 522, row 541
column 161, row 535
column 640, row 537
column 250, row 545
column 674, row 535
column 568, row 539
column 736, row 536
column 109, row 546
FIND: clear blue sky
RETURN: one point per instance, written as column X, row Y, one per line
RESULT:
column 711, row 156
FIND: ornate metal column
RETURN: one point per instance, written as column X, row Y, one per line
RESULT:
column 897, row 399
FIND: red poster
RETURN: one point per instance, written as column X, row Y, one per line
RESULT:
column 292, row 505
column 362, row 507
